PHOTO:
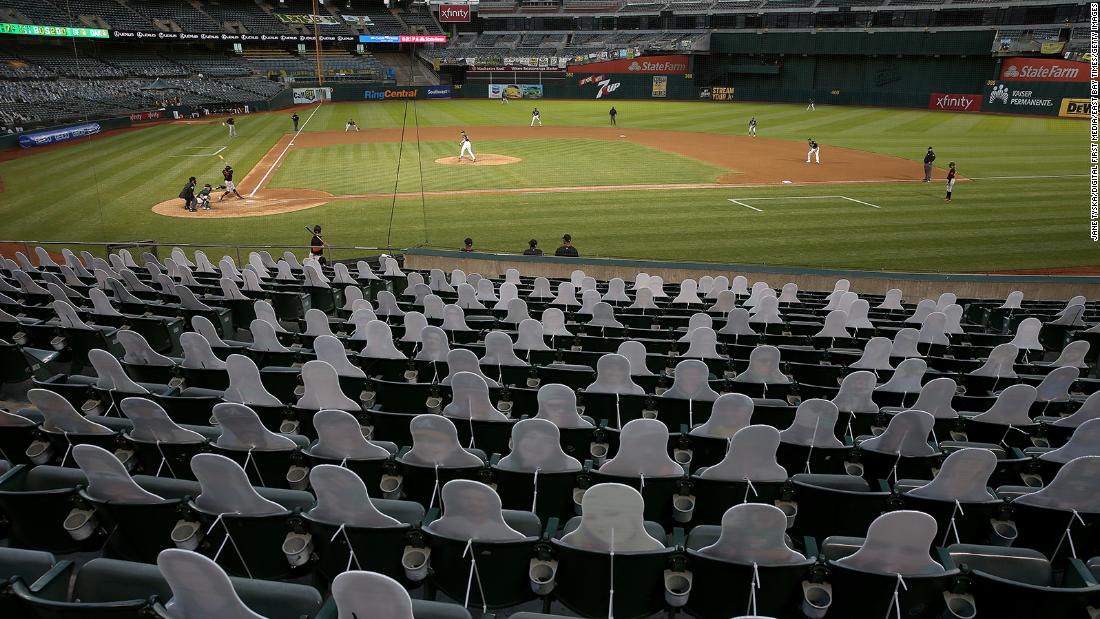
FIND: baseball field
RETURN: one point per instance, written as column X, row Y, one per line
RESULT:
column 673, row 181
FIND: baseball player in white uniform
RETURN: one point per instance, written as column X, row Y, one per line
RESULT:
column 466, row 148
column 536, row 117
column 815, row 151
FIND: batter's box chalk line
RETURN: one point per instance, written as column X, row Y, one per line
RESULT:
column 745, row 201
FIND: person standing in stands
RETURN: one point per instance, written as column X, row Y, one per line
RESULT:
column 950, row 181
column 232, row 124
column 929, row 157
column 295, row 119
column 613, row 113
column 317, row 246
column 566, row 250
column 532, row 248
column 187, row 194
column 467, row 244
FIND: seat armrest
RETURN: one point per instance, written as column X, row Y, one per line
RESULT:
column 54, row 584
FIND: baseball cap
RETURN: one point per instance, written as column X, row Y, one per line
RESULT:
column 317, row 228
column 566, row 237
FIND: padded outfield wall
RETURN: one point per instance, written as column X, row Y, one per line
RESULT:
column 951, row 71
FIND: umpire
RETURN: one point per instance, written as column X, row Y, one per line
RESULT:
column 187, row 194
column 929, row 157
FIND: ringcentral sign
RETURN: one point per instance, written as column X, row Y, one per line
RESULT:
column 383, row 95
column 454, row 13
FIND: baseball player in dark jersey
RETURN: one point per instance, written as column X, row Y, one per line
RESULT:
column 752, row 126
column 536, row 117
column 815, row 151
column 950, row 181
column 230, row 187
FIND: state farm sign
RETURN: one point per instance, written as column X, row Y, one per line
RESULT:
column 954, row 103
column 1043, row 70
column 454, row 13
column 672, row 64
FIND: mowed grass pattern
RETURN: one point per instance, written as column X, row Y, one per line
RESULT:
column 373, row 168
column 102, row 190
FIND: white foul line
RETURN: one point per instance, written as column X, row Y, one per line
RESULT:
column 745, row 205
column 740, row 201
column 217, row 152
column 280, row 157
column 860, row 201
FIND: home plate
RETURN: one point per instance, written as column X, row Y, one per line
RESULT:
column 786, row 182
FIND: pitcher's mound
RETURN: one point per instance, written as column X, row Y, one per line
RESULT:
column 484, row 159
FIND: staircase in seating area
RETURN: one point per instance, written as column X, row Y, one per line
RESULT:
column 418, row 74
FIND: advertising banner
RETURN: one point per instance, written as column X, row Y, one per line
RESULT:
column 721, row 93
column 1075, row 108
column 1011, row 98
column 324, row 20
column 1043, row 70
column 189, row 37
column 53, row 136
column 358, row 20
column 674, row 64
column 954, row 102
column 403, row 38
column 142, row 116
column 389, row 94
column 53, row 31
column 454, row 13
column 438, row 92
column 311, row 95
column 515, row 91
column 660, row 86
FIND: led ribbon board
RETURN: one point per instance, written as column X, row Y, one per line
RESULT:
column 53, row 31
column 404, row 38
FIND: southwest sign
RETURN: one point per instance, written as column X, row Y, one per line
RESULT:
column 642, row 65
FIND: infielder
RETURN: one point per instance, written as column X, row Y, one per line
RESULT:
column 950, row 180
column 752, row 126
column 535, row 118
column 230, row 188
column 351, row 125
column 815, row 151
column 466, row 147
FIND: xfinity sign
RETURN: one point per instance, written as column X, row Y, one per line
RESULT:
column 454, row 13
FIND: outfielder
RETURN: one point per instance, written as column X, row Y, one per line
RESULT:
column 535, row 118
column 466, row 147
column 950, row 180
column 351, row 125
column 810, row 107
column 232, row 124
column 752, row 126
column 815, row 151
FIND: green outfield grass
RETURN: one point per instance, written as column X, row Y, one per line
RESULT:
column 369, row 168
column 103, row 190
